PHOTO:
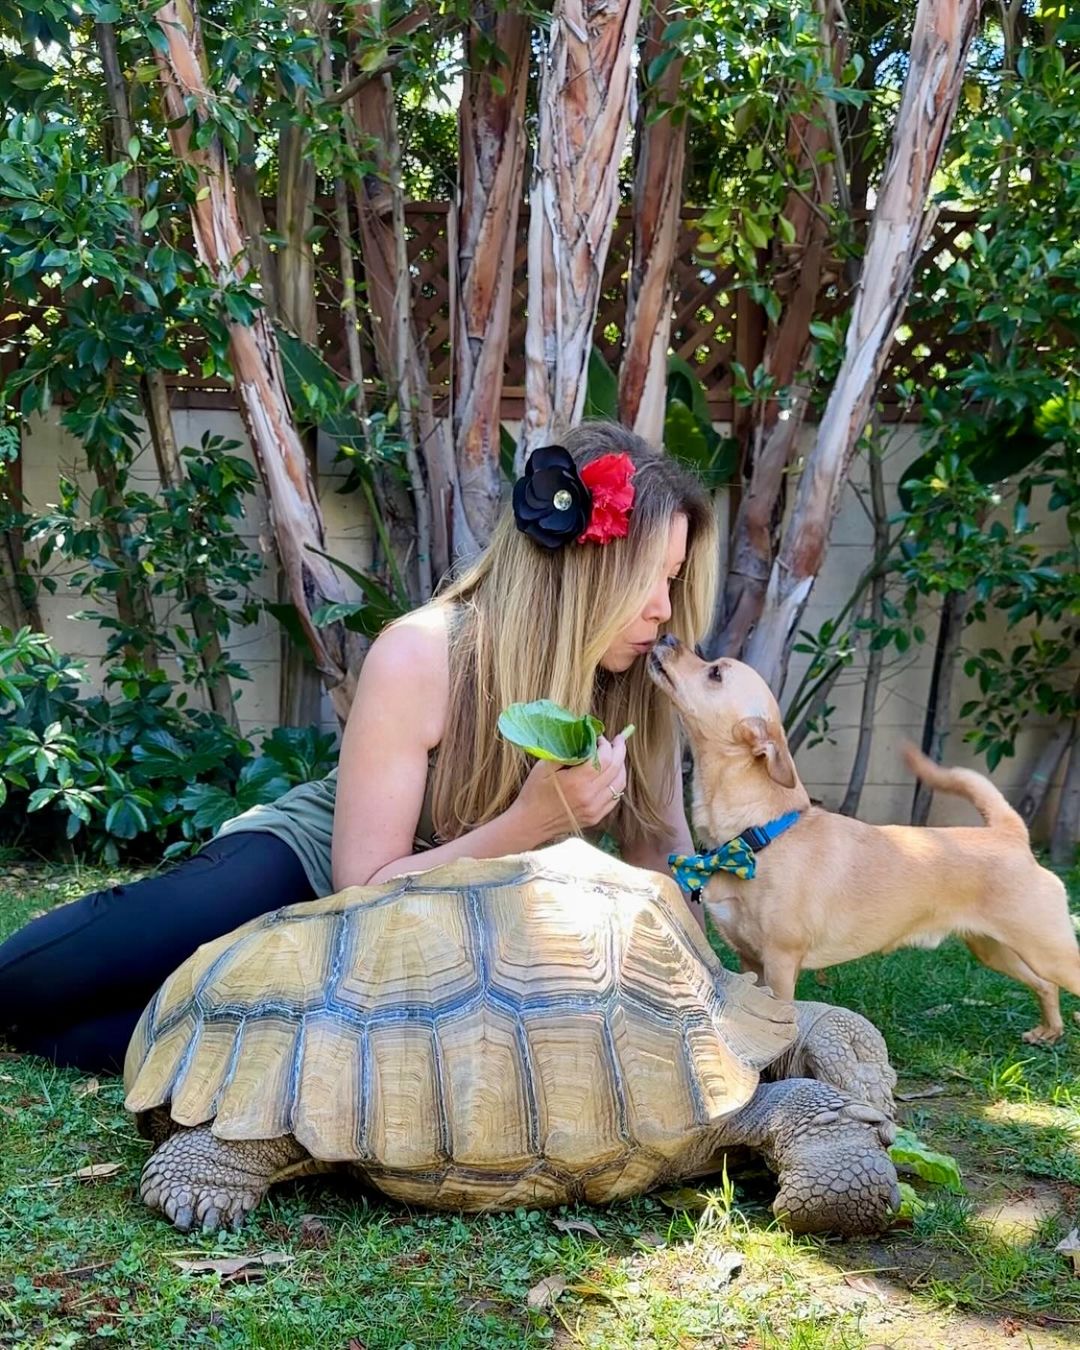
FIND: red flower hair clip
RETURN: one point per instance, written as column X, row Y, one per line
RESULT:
column 554, row 502
column 609, row 480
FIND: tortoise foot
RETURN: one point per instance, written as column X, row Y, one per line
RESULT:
column 199, row 1181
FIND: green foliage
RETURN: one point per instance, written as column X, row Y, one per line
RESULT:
column 689, row 434
column 131, row 769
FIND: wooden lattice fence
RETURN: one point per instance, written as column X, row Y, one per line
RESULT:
column 714, row 322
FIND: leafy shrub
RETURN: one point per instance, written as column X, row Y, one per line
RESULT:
column 132, row 769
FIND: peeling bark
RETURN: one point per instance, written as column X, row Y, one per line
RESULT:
column 658, row 181
column 400, row 356
column 256, row 363
column 491, row 159
column 584, row 114
column 899, row 230
column 876, row 657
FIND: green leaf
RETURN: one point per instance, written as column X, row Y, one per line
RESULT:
column 125, row 819
column 909, row 1151
column 601, row 388
column 911, row 1203
column 546, row 730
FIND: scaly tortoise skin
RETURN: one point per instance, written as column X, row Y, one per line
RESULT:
column 530, row 1030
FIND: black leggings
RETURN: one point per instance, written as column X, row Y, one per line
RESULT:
column 74, row 982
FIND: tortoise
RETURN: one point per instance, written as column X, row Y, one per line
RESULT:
column 533, row 1030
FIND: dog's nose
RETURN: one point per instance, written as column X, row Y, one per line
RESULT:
column 668, row 640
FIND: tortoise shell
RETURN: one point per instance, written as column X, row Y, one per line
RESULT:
column 529, row 1029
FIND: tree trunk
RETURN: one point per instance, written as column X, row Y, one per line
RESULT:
column 939, row 700
column 773, row 432
column 1067, row 826
column 898, row 232
column 876, row 656
column 256, row 363
column 584, row 110
column 491, row 159
column 1046, row 766
column 661, row 156
column 299, row 686
column 401, row 356
column 20, row 587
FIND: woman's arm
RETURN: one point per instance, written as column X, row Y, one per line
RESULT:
column 398, row 716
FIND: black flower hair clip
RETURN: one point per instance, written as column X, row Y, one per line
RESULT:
column 555, row 503
column 551, row 503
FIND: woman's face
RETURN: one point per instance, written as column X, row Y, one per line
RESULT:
column 637, row 638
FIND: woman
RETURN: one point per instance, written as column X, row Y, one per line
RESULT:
column 609, row 544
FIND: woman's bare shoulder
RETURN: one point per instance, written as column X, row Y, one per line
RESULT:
column 408, row 669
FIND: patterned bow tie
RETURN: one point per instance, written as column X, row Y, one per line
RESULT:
column 737, row 856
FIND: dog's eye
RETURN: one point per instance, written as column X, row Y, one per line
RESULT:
column 715, row 673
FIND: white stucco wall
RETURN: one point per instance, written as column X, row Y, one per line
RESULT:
column 825, row 767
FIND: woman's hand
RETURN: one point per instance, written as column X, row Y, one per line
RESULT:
column 555, row 800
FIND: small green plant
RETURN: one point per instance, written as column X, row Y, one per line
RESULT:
column 132, row 768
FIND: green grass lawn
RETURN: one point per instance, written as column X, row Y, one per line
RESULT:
column 82, row 1264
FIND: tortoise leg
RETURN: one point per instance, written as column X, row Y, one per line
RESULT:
column 845, row 1050
column 830, row 1153
column 196, row 1179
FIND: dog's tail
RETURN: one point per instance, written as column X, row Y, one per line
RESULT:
column 977, row 788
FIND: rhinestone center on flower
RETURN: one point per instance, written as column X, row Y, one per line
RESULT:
column 562, row 500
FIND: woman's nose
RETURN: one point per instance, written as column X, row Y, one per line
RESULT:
column 658, row 609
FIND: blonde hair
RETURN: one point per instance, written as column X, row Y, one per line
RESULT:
column 532, row 623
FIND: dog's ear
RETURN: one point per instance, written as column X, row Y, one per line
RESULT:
column 765, row 740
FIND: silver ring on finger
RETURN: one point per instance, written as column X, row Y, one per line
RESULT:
column 616, row 796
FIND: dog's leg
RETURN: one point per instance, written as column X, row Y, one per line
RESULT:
column 781, row 971
column 1039, row 930
column 1004, row 960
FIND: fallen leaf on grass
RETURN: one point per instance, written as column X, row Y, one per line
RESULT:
column 544, row 1294
column 576, row 1226
column 685, row 1197
column 96, row 1172
column 1070, row 1246
column 9, row 1111
column 355, row 1344
column 934, row 1090
column 552, row 1287
column 650, row 1239
column 88, row 1089
column 866, row 1284
column 234, row 1267
column 937, row 1010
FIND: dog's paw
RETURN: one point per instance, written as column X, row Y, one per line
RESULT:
column 1041, row 1035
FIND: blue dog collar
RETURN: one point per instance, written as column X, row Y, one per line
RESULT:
column 737, row 856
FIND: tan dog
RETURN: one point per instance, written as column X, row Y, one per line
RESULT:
column 831, row 889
